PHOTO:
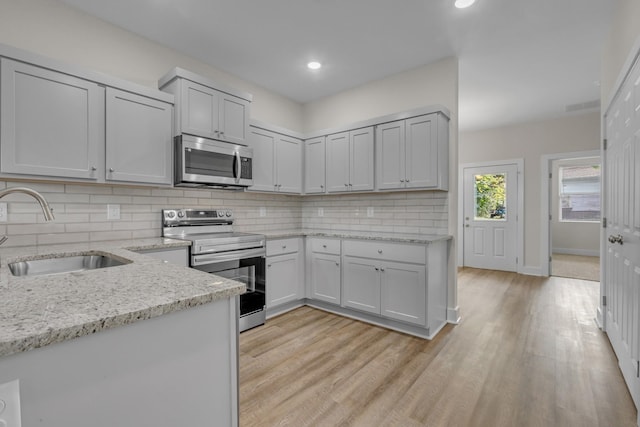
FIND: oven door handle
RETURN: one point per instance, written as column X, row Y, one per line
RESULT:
column 197, row 260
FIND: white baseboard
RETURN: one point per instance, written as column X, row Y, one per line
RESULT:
column 531, row 271
column 582, row 252
column 453, row 315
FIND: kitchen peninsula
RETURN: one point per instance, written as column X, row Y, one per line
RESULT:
column 144, row 343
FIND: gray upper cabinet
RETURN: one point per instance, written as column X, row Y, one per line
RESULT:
column 350, row 161
column 413, row 153
column 208, row 109
column 65, row 122
column 277, row 162
column 314, row 165
column 52, row 123
column 138, row 138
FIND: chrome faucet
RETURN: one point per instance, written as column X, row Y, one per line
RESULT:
column 46, row 210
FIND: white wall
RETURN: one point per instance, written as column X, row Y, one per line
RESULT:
column 625, row 33
column 578, row 238
column 55, row 30
column 531, row 141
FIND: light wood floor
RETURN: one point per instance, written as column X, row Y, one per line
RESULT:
column 527, row 353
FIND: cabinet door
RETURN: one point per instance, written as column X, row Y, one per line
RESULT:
column 421, row 152
column 139, row 136
column 404, row 292
column 390, row 160
column 314, row 166
column 361, row 159
column 263, row 143
column 325, row 278
column 200, row 110
column 234, row 119
column 338, row 162
column 288, row 164
column 283, row 280
column 51, row 123
column 361, row 285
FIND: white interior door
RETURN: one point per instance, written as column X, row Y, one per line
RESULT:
column 490, row 202
column 621, row 261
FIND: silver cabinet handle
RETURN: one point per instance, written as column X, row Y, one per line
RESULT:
column 466, row 225
column 379, row 251
column 111, row 170
column 221, row 133
column 324, row 246
column 93, row 168
column 337, row 264
column 402, row 180
column 377, row 269
column 346, row 185
column 284, row 246
column 382, row 269
column 321, row 186
column 269, row 265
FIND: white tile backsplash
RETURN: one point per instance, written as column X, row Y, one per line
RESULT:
column 81, row 212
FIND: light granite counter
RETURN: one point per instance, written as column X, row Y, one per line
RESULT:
column 36, row 311
column 364, row 235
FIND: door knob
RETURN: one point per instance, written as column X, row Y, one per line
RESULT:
column 616, row 239
column 111, row 170
column 466, row 225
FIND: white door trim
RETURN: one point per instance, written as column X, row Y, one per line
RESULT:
column 545, row 202
column 520, row 223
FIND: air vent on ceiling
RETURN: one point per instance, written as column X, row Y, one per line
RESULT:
column 589, row 105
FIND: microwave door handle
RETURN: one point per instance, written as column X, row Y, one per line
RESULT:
column 236, row 167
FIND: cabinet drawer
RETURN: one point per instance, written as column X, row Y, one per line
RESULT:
column 385, row 251
column 325, row 246
column 282, row 246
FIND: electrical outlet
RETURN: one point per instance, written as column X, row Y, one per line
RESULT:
column 10, row 404
column 113, row 211
column 3, row 212
column 320, row 212
column 263, row 211
column 370, row 211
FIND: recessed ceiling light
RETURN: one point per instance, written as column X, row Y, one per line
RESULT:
column 461, row 4
column 314, row 65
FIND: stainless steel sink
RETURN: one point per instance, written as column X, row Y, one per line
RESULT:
column 68, row 264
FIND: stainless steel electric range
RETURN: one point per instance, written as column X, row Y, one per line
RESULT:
column 217, row 249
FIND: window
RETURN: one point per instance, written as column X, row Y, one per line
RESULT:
column 491, row 197
column 580, row 193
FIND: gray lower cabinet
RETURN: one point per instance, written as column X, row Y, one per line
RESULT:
column 52, row 124
column 284, row 271
column 325, row 269
column 388, row 279
column 392, row 289
column 403, row 292
column 138, row 138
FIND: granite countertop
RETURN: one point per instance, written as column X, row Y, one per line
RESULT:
column 36, row 311
column 364, row 235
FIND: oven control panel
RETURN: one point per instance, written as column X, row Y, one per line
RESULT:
column 174, row 217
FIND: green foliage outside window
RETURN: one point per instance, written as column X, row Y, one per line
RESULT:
column 491, row 196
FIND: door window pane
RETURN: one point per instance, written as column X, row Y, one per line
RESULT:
column 491, row 197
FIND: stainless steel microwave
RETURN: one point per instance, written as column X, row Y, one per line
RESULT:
column 201, row 162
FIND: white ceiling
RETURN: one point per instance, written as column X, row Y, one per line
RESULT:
column 520, row 60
